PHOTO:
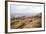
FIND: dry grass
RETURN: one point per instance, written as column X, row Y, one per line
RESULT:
column 34, row 22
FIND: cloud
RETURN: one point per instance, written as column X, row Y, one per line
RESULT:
column 25, row 9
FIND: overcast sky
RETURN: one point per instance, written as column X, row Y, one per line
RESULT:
column 21, row 9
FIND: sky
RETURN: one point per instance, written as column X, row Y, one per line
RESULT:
column 20, row 10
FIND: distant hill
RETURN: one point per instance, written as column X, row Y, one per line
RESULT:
column 24, row 17
column 39, row 14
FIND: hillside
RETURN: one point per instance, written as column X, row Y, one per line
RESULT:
column 26, row 22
